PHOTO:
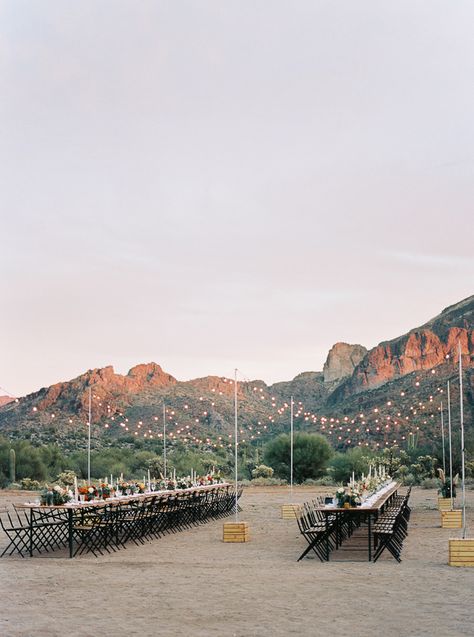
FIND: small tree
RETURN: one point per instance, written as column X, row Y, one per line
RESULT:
column 311, row 453
column 342, row 465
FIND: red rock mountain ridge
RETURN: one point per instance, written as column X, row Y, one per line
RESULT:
column 4, row 400
column 107, row 386
column 352, row 377
column 342, row 360
column 423, row 348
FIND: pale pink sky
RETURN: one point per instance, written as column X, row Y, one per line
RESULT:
column 212, row 185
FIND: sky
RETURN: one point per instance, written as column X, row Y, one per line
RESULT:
column 215, row 185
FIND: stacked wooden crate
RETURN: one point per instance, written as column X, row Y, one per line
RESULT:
column 289, row 511
column 236, row 532
column 451, row 519
column 461, row 552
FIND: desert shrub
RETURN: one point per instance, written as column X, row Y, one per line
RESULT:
column 27, row 484
column 325, row 481
column 267, row 482
column 66, row 478
column 429, row 483
column 409, row 480
column 262, row 471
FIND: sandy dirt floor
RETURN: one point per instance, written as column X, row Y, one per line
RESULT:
column 192, row 584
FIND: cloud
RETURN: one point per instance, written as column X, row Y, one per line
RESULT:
column 432, row 260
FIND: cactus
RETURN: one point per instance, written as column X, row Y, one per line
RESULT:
column 12, row 465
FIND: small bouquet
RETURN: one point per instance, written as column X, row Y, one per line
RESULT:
column 104, row 491
column 55, row 496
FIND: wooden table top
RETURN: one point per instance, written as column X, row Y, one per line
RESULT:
column 363, row 509
column 120, row 500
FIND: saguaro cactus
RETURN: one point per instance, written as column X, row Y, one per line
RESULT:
column 12, row 465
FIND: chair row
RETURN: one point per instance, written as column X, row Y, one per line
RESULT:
column 111, row 526
column 323, row 532
column 391, row 528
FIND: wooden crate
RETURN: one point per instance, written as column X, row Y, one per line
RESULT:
column 451, row 519
column 236, row 532
column 461, row 552
column 444, row 504
column 289, row 511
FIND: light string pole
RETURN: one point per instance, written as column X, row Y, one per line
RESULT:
column 450, row 448
column 442, row 441
column 236, row 458
column 291, row 448
column 164, row 439
column 89, row 438
column 461, row 413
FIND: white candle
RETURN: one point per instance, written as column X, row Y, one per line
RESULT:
column 149, row 480
column 76, row 492
column 174, row 474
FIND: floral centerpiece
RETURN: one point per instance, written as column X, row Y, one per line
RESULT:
column 445, row 484
column 348, row 497
column 55, row 496
column 123, row 487
column 89, row 492
column 171, row 485
column 104, row 491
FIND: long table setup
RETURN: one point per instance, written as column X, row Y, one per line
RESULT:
column 108, row 525
column 326, row 525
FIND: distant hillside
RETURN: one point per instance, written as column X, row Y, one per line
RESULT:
column 362, row 397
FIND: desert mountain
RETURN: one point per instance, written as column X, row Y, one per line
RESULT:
column 376, row 396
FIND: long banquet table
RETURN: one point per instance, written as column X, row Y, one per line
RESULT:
column 109, row 524
column 366, row 513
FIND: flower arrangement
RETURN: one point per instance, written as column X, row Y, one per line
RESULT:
column 104, row 491
column 348, row 497
column 445, row 484
column 90, row 492
column 171, row 485
column 55, row 496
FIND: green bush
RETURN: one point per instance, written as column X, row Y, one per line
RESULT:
column 264, row 482
column 325, row 481
column 429, row 483
column 262, row 471
column 342, row 465
column 409, row 480
column 27, row 484
column 311, row 453
column 66, row 478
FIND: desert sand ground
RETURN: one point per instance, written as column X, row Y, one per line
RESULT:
column 192, row 584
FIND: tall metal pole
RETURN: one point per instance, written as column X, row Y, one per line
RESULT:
column 461, row 406
column 236, row 459
column 291, row 448
column 450, row 448
column 89, row 438
column 442, row 439
column 164, row 439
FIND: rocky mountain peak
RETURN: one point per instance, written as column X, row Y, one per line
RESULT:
column 341, row 361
